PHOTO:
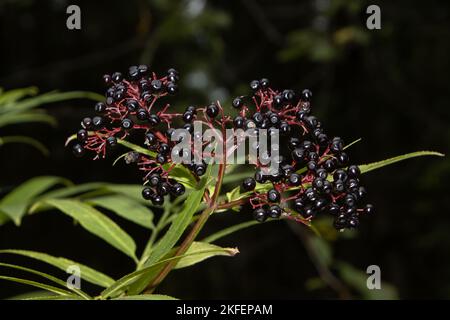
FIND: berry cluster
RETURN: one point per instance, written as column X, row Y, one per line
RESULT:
column 312, row 176
column 132, row 106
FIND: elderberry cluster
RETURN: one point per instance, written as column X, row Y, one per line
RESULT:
column 313, row 176
column 133, row 105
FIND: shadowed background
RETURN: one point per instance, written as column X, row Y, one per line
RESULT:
column 390, row 87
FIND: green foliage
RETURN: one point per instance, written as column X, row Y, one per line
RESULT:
column 15, row 109
column 84, row 202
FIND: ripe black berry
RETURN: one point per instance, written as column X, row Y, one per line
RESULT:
column 343, row 159
column 353, row 222
column 308, row 212
column 191, row 109
column 239, row 122
column 127, row 124
column 156, row 85
column 264, row 82
column 288, row 95
column 306, row 95
column 177, row 189
column 254, row 85
column 275, row 212
column 334, row 209
column 82, row 135
column 295, row 179
column 273, row 195
column 340, row 175
column 150, row 139
column 237, row 103
column 172, row 88
column 111, row 142
column 260, row 215
column 212, row 110
column 107, row 79
column 200, row 169
column 117, row 77
column 258, row 118
column 154, row 179
column 157, row 200
column 311, row 165
column 78, row 150
column 86, row 123
column 154, row 119
column 298, row 154
column 277, row 102
column 147, row 193
column 353, row 171
column 142, row 114
column 249, row 184
column 100, row 107
column 188, row 116
column 97, row 122
column 163, row 188
column 160, row 158
column 285, row 128
column 369, row 209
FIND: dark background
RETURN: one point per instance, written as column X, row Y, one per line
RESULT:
column 390, row 87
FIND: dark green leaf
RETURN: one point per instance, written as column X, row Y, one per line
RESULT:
column 38, row 285
column 126, row 208
column 15, row 203
column 376, row 165
column 25, row 140
column 224, row 232
column 48, row 277
column 199, row 251
column 87, row 273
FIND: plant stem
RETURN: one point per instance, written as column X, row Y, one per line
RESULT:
column 192, row 234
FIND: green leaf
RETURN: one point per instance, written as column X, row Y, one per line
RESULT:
column 15, row 203
column 51, row 97
column 199, row 251
column 3, row 218
column 38, row 285
column 87, row 273
column 38, row 294
column 72, row 190
column 9, row 119
column 147, row 297
column 234, row 194
column 176, row 230
column 321, row 249
column 224, row 232
column 376, row 165
column 352, row 143
column 133, row 191
column 184, row 176
column 48, row 277
column 25, row 140
column 97, row 223
column 126, row 208
column 148, row 272
column 358, row 280
column 14, row 95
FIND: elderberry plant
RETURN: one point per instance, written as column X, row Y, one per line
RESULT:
column 313, row 175
column 304, row 174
